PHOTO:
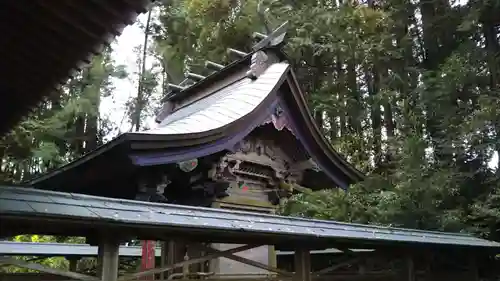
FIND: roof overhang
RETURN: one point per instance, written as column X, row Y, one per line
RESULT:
column 45, row 42
column 27, row 210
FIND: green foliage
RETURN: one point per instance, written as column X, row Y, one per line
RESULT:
column 412, row 103
column 53, row 262
column 408, row 91
column 63, row 127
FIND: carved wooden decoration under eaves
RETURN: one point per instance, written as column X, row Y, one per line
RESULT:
column 258, row 164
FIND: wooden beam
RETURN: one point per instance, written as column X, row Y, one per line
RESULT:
column 245, row 261
column 349, row 257
column 302, row 265
column 336, row 266
column 45, row 269
column 188, row 262
column 232, row 279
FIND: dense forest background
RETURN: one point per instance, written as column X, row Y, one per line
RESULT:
column 407, row 90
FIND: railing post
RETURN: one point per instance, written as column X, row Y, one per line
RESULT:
column 302, row 265
column 73, row 263
column 164, row 258
column 407, row 272
column 108, row 258
column 473, row 270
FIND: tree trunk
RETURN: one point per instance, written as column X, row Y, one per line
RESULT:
column 354, row 102
column 340, row 86
column 140, row 103
column 92, row 133
column 372, row 81
column 492, row 47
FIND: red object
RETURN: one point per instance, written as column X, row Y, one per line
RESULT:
column 148, row 257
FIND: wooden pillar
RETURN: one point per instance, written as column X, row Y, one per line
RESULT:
column 108, row 259
column 168, row 256
column 100, row 255
column 73, row 263
column 473, row 271
column 164, row 259
column 148, row 257
column 408, row 272
column 302, row 265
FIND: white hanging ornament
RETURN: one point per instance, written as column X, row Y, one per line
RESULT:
column 188, row 165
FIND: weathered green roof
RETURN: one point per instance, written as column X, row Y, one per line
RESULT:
column 25, row 210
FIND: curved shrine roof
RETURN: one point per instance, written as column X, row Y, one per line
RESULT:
column 214, row 115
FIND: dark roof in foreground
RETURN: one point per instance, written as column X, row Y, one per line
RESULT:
column 26, row 210
column 43, row 41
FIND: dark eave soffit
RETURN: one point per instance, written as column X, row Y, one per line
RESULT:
column 46, row 42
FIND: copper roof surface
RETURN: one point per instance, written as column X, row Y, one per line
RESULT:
column 223, row 106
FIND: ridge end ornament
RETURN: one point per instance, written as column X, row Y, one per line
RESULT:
column 259, row 64
column 274, row 38
column 279, row 118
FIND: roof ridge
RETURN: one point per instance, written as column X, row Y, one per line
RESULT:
column 184, row 89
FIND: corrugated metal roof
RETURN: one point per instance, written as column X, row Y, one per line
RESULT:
column 28, row 203
column 8, row 248
column 224, row 106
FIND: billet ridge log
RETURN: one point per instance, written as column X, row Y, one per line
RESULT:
column 258, row 35
column 194, row 76
column 235, row 52
column 213, row 65
column 175, row 88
